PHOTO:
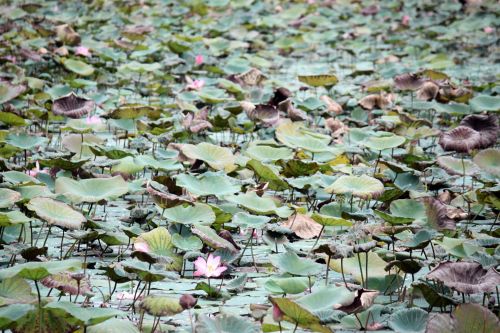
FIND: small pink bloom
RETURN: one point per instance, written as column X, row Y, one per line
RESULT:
column 209, row 268
column 83, row 51
column 311, row 2
column 94, row 120
column 277, row 314
column 35, row 171
column 405, row 20
column 141, row 247
column 489, row 30
column 195, row 84
column 198, row 60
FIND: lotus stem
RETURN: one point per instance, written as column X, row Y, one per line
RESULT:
column 376, row 163
column 61, row 246
column 360, row 270
column 342, row 270
column 40, row 297
column 47, row 237
column 327, row 270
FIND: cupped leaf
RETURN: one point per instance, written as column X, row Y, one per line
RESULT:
column 411, row 320
column 360, row 186
column 208, row 184
column 160, row 306
column 217, row 157
column 79, row 67
column 489, row 161
column 190, row 214
column 38, row 270
column 56, row 213
column 91, row 190
column 290, row 262
column 81, row 315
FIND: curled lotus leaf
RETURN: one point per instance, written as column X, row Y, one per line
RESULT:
column 72, row 106
column 466, row 277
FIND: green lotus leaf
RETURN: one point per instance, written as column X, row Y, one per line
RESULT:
column 147, row 273
column 324, row 80
column 411, row 320
column 62, row 163
column 12, row 119
column 268, row 154
column 15, row 290
column 217, row 157
column 485, row 103
column 245, row 220
column 82, row 315
column 224, row 323
column 295, row 135
column 287, row 285
column 290, row 262
column 191, row 243
column 24, row 141
column 264, row 205
column 160, row 306
column 79, row 67
column 266, row 173
column 16, row 177
column 330, row 221
column 12, row 218
column 186, row 214
column 326, row 298
column 43, row 320
column 460, row 248
column 208, row 184
column 91, row 190
column 209, row 237
column 294, row 312
column 13, row 313
column 127, row 165
column 457, row 166
column 363, row 186
column 113, row 325
column 8, row 197
column 56, row 213
column 489, row 161
column 38, row 270
column 384, row 142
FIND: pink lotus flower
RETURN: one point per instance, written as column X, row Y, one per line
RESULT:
column 35, row 171
column 94, row 120
column 83, row 51
column 198, row 60
column 405, row 20
column 489, row 30
column 209, row 268
column 141, row 247
column 194, row 84
column 277, row 313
